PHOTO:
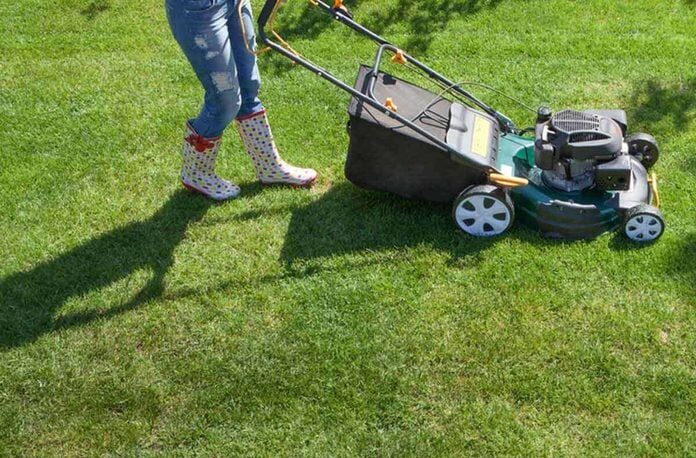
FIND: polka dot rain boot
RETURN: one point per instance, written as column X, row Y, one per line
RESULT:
column 270, row 167
column 198, row 170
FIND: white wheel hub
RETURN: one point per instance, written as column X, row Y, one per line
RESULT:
column 483, row 216
column 643, row 228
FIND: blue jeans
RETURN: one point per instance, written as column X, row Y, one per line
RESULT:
column 210, row 34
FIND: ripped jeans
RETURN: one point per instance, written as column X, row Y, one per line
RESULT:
column 210, row 34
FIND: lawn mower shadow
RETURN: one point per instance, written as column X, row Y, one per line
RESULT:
column 29, row 300
column 349, row 220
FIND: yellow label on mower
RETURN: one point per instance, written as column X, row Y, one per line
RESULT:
column 480, row 142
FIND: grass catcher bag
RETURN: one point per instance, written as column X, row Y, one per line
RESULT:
column 385, row 155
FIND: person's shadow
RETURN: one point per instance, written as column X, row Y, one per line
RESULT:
column 30, row 300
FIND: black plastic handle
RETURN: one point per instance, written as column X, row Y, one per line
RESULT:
column 265, row 16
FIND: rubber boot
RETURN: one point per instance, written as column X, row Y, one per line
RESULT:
column 198, row 170
column 270, row 167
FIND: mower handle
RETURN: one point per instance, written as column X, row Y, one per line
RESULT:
column 268, row 16
column 265, row 16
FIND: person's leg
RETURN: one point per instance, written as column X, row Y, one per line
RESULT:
column 252, row 121
column 242, row 35
column 200, row 28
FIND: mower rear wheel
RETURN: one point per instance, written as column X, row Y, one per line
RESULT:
column 644, row 148
column 484, row 211
column 644, row 224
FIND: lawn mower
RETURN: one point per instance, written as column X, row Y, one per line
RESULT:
column 574, row 175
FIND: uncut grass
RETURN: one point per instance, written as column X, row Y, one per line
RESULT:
column 138, row 319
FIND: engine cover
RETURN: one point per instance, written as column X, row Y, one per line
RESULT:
column 585, row 135
column 580, row 149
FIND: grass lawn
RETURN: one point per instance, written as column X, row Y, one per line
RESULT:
column 138, row 319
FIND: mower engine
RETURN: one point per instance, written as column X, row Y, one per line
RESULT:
column 578, row 150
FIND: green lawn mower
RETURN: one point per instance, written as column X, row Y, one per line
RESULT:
column 575, row 175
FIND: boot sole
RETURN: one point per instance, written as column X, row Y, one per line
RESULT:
column 305, row 185
column 205, row 194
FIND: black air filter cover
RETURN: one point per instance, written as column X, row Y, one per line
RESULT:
column 570, row 121
column 586, row 136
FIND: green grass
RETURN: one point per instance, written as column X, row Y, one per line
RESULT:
column 137, row 319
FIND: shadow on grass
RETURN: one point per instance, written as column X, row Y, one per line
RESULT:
column 654, row 102
column 29, row 300
column 423, row 19
column 667, row 107
column 95, row 8
column 681, row 263
column 687, row 263
column 348, row 220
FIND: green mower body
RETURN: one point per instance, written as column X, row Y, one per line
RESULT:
column 561, row 214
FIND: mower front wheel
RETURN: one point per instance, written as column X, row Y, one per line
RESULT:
column 484, row 211
column 643, row 224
